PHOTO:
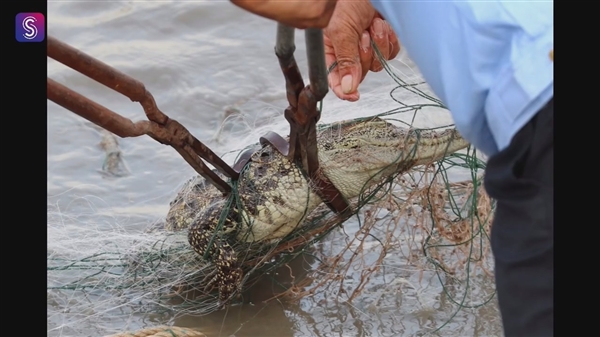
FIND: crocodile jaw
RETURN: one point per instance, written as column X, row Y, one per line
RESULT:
column 366, row 153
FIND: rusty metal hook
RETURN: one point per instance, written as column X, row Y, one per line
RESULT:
column 158, row 126
column 302, row 113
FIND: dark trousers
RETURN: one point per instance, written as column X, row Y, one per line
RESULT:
column 521, row 179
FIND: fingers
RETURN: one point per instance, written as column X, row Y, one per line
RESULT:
column 366, row 54
column 392, row 38
column 386, row 41
column 345, row 31
column 379, row 34
column 388, row 45
column 347, row 75
column 394, row 43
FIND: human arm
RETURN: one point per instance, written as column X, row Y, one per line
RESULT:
column 300, row 14
column 349, row 28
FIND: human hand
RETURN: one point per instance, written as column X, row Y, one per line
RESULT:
column 348, row 41
column 349, row 28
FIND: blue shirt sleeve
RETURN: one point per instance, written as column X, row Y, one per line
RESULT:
column 489, row 62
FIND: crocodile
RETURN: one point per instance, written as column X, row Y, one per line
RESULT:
column 275, row 195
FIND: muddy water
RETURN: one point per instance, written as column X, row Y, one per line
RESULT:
column 198, row 59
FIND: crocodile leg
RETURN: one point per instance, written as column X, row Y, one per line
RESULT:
column 204, row 238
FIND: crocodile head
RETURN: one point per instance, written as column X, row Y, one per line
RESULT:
column 358, row 154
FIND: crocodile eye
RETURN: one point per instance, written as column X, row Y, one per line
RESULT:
column 198, row 188
column 260, row 170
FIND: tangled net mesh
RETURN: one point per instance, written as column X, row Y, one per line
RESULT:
column 432, row 220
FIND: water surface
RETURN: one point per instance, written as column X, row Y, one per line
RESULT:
column 198, row 59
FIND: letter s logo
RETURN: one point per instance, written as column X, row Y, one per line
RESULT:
column 30, row 29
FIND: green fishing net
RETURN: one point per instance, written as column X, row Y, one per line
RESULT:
column 431, row 222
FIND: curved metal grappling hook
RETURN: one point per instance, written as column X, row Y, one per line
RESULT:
column 302, row 113
column 159, row 126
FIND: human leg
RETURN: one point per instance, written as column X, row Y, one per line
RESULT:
column 521, row 180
